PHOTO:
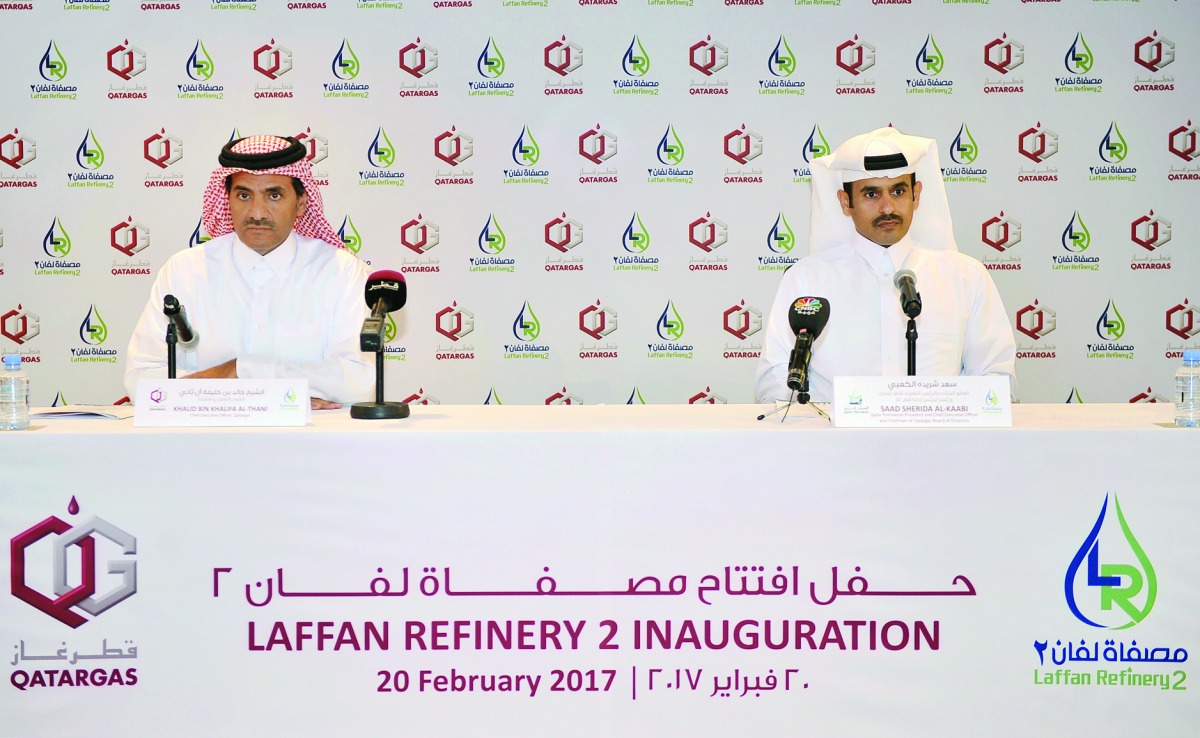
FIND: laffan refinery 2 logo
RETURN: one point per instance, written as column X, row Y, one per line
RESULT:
column 1110, row 584
column 66, row 601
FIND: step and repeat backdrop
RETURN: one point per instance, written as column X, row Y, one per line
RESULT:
column 593, row 201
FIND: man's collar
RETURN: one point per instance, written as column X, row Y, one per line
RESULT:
column 278, row 260
column 880, row 257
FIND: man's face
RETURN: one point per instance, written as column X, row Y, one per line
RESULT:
column 882, row 207
column 265, row 208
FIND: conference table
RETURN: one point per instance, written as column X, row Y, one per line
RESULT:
column 646, row 570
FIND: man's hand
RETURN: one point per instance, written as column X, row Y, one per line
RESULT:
column 228, row 370
column 319, row 404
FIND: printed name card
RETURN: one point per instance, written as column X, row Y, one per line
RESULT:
column 174, row 403
column 921, row 402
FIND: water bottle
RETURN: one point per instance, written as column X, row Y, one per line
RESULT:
column 14, row 395
column 1187, row 391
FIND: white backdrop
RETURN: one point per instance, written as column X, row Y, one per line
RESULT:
column 708, row 198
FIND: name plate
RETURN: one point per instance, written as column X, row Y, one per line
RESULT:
column 175, row 403
column 922, row 402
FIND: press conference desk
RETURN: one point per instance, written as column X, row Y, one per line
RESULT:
column 601, row 570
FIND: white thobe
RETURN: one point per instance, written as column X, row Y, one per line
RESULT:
column 296, row 312
column 963, row 328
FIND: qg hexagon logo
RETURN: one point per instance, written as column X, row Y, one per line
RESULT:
column 1181, row 142
column 743, row 145
column 708, row 57
column 562, row 233
column 20, row 326
column 1037, row 143
column 1001, row 232
column 1003, row 54
column 708, row 233
column 16, row 150
column 1110, row 582
column 1150, row 231
column 855, row 56
column 418, row 59
column 126, row 60
column 1183, row 321
column 162, row 149
column 597, row 320
column 272, row 60
column 453, row 147
column 420, row 235
column 454, row 322
column 129, row 237
column 562, row 56
column 597, row 145
column 72, row 549
column 1036, row 321
column 1153, row 52
column 741, row 321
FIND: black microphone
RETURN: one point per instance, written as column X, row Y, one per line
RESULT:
column 386, row 292
column 910, row 299
column 807, row 316
column 175, row 313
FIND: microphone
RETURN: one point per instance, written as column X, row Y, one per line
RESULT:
column 175, row 313
column 386, row 292
column 807, row 316
column 910, row 299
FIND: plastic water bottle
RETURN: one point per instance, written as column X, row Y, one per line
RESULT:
column 14, row 395
column 1187, row 391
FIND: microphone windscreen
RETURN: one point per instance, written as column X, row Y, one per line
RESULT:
column 900, row 275
column 809, row 314
column 388, row 285
column 170, row 305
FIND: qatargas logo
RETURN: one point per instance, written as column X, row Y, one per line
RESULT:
column 129, row 237
column 126, row 60
column 1001, row 232
column 597, row 145
column 855, row 56
column 562, row 234
column 708, row 57
column 1110, row 328
column 1004, row 55
column 1151, row 232
column 1153, row 53
column 708, row 234
column 421, row 397
column 526, row 328
column 782, row 66
column 741, row 321
column 316, row 146
column 1182, row 321
column 964, row 151
column 272, row 60
column 598, row 321
column 563, row 397
column 418, row 59
column 162, row 149
column 781, row 239
column 16, row 150
column 1037, row 144
column 562, row 57
column 707, row 397
column 635, row 64
column 1036, row 321
column 1110, row 582
column 454, row 323
column 67, row 556
column 20, row 326
column 453, row 147
column 419, row 236
column 1181, row 142
column 743, row 145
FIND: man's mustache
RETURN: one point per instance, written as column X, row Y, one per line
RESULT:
column 264, row 222
column 887, row 219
